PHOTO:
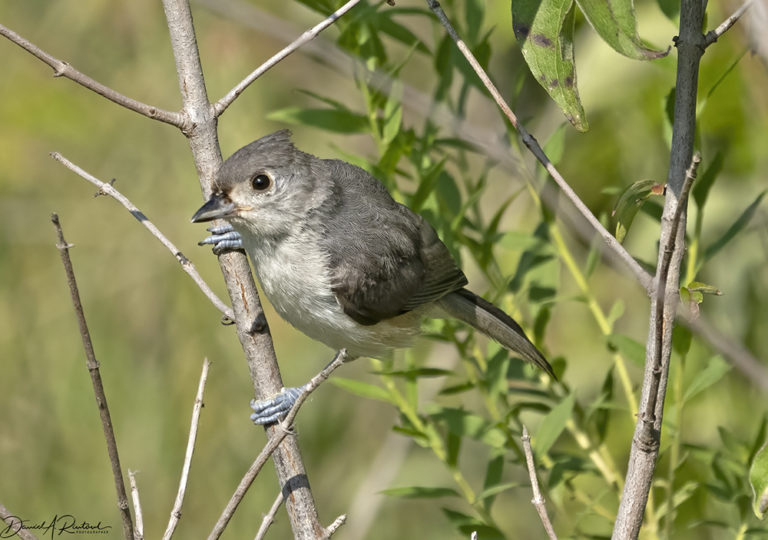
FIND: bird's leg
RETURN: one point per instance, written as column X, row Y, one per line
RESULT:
column 269, row 411
column 224, row 238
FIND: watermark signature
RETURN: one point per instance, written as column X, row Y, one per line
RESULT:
column 55, row 526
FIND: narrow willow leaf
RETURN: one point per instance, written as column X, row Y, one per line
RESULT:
column 544, row 30
column 758, row 479
column 630, row 201
column 338, row 121
column 420, row 492
column 714, row 371
column 553, row 425
column 734, row 229
column 706, row 179
column 362, row 389
column 416, row 372
column 633, row 350
column 615, row 22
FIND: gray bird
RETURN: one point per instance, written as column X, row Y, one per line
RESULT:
column 338, row 258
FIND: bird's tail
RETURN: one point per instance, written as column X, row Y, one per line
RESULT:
column 466, row 306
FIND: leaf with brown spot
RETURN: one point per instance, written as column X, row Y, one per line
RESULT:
column 544, row 30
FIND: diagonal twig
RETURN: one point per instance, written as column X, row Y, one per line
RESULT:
column 98, row 387
column 221, row 105
column 63, row 69
column 533, row 145
column 283, row 430
column 538, row 499
column 14, row 525
column 714, row 35
column 186, row 264
column 176, row 511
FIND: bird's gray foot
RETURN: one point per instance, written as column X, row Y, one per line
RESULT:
column 269, row 411
column 224, row 238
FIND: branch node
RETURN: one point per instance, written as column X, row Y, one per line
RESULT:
column 259, row 325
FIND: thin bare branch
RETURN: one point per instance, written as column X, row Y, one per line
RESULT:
column 98, row 387
column 331, row 529
column 533, row 145
column 14, row 525
column 270, row 517
column 108, row 189
column 282, row 431
column 538, row 499
column 221, row 105
column 714, row 35
column 63, row 69
column 198, row 406
column 139, row 529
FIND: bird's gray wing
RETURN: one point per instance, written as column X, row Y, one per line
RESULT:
column 384, row 259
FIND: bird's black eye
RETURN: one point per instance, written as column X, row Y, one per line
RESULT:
column 260, row 182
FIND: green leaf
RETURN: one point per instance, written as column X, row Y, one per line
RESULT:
column 420, row 492
column 713, row 372
column 706, row 179
column 393, row 113
column 681, row 340
column 495, row 490
column 704, row 288
column 553, row 425
column 630, row 201
column 555, row 146
column 734, row 229
column 758, row 479
column 616, row 23
column 633, row 350
column 362, row 389
column 335, row 120
column 468, row 525
column 416, row 372
column 544, row 30
column 617, row 310
column 466, row 424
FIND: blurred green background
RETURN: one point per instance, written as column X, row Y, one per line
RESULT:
column 152, row 327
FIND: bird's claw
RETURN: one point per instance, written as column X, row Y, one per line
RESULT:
column 269, row 411
column 224, row 238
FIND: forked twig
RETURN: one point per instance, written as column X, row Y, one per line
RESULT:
column 221, row 105
column 98, row 387
column 186, row 264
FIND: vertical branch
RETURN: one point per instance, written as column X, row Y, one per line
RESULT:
column 98, row 387
column 645, row 444
column 252, row 329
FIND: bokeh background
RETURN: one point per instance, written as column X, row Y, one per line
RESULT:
column 152, row 327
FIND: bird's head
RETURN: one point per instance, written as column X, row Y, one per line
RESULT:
column 266, row 188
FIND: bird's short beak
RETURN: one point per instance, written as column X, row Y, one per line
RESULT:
column 217, row 207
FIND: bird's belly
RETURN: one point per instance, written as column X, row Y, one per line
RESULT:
column 299, row 288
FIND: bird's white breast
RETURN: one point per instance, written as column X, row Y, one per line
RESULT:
column 295, row 277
